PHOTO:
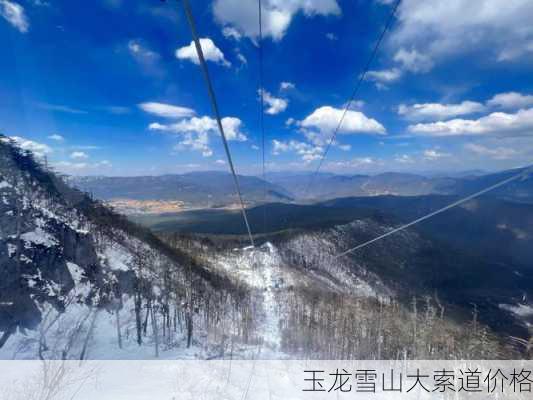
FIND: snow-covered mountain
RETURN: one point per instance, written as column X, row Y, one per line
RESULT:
column 79, row 281
column 390, row 302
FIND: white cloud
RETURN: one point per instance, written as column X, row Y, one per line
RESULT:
column 357, row 162
column 325, row 119
column 438, row 29
column 511, row 100
column 434, row 154
column 211, row 53
column 191, row 166
column 194, row 132
column 230, row 32
column 404, row 159
column 38, row 149
column 148, row 60
column 61, row 108
column 104, row 163
column 275, row 104
column 56, row 137
column 439, row 111
column 413, row 61
column 64, row 165
column 241, row 58
column 139, row 50
column 277, row 15
column 231, row 125
column 232, row 129
column 383, row 77
column 498, row 123
column 166, row 110
column 306, row 151
column 75, row 168
column 286, row 86
column 14, row 14
column 198, row 141
column 220, row 162
column 513, row 52
column 386, row 75
column 86, row 147
column 331, row 36
column 79, row 155
column 156, row 126
column 255, row 147
column 496, row 153
column 344, row 147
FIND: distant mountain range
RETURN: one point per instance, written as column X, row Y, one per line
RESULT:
column 199, row 189
column 213, row 188
column 329, row 186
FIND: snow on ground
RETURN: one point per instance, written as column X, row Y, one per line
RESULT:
column 320, row 250
column 103, row 344
column 40, row 237
column 269, row 264
column 261, row 269
column 118, row 257
column 250, row 380
column 11, row 250
column 522, row 310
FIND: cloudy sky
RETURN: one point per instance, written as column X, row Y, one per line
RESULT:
column 114, row 87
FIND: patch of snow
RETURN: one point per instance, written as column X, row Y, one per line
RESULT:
column 103, row 344
column 11, row 250
column 117, row 257
column 4, row 184
column 261, row 269
column 270, row 272
column 517, row 232
column 33, row 280
column 38, row 236
column 522, row 310
column 75, row 272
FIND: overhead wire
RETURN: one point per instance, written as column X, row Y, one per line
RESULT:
column 216, row 112
column 353, row 94
column 262, row 112
column 523, row 174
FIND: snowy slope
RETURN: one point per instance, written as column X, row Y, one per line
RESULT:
column 77, row 281
column 261, row 269
column 272, row 275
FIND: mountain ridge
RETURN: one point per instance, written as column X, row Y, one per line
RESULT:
column 69, row 267
column 205, row 189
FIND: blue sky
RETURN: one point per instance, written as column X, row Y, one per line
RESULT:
column 114, row 88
